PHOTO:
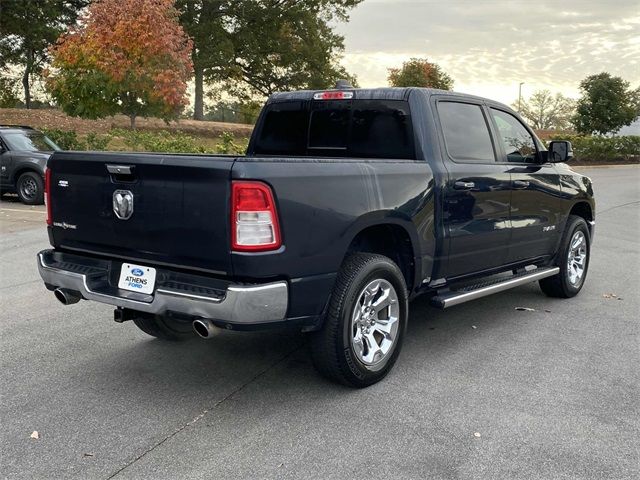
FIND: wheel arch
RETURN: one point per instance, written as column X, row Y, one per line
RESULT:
column 24, row 169
column 392, row 239
column 584, row 210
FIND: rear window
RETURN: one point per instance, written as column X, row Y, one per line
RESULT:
column 342, row 128
column 284, row 129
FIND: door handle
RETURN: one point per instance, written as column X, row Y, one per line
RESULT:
column 520, row 184
column 463, row 185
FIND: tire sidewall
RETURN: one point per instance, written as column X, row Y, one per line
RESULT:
column 38, row 199
column 381, row 269
column 578, row 224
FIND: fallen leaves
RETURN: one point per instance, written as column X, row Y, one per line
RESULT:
column 611, row 296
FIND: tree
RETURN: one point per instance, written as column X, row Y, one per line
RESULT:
column 419, row 72
column 204, row 22
column 27, row 28
column 8, row 94
column 545, row 111
column 257, row 47
column 606, row 105
column 124, row 56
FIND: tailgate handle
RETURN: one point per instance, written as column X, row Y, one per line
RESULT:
column 120, row 169
column 122, row 173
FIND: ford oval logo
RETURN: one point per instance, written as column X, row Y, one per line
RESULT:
column 137, row 272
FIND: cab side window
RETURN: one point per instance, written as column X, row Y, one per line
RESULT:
column 517, row 141
column 466, row 133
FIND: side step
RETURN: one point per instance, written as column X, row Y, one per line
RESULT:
column 450, row 298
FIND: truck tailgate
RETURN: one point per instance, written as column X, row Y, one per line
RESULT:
column 180, row 207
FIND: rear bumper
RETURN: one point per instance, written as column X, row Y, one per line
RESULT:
column 189, row 295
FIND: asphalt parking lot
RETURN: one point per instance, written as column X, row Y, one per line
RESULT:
column 481, row 391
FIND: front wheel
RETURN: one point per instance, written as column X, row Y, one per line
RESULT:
column 365, row 323
column 573, row 260
column 30, row 188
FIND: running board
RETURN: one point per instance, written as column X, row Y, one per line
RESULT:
column 448, row 299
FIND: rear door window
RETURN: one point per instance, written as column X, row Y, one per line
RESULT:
column 466, row 133
column 340, row 128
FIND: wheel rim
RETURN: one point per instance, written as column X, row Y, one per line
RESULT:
column 29, row 188
column 577, row 258
column 374, row 323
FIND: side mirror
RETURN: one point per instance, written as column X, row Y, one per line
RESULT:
column 560, row 151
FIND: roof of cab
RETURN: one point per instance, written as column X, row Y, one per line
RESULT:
column 385, row 93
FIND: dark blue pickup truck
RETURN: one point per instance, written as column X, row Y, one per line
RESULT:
column 348, row 204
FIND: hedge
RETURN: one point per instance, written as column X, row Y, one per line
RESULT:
column 604, row 149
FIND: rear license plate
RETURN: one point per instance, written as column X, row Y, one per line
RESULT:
column 137, row 278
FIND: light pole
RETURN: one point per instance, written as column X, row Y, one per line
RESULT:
column 520, row 95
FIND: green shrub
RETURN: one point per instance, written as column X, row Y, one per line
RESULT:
column 163, row 141
column 227, row 145
column 603, row 149
column 97, row 142
column 65, row 139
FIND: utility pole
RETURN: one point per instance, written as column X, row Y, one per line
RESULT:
column 520, row 95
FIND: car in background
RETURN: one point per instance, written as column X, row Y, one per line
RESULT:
column 24, row 152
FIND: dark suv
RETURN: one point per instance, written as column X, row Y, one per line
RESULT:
column 24, row 152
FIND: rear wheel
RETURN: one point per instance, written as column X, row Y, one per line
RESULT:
column 164, row 328
column 573, row 260
column 30, row 188
column 365, row 324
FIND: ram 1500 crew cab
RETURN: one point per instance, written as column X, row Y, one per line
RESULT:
column 348, row 204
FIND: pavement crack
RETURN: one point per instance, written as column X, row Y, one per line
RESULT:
column 199, row 417
column 618, row 206
column 20, row 284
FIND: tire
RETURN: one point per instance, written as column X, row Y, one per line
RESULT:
column 569, row 281
column 164, row 328
column 30, row 188
column 343, row 349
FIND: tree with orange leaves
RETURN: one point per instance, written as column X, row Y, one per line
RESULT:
column 420, row 72
column 123, row 56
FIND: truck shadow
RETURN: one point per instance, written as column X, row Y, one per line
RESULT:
column 281, row 361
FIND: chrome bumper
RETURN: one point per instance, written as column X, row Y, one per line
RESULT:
column 239, row 304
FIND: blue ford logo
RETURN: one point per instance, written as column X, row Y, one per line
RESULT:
column 137, row 272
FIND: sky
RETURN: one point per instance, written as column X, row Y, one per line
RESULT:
column 489, row 47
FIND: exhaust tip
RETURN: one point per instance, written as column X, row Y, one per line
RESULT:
column 66, row 297
column 204, row 328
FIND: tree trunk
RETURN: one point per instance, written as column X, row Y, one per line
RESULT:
column 198, row 107
column 132, row 117
column 25, row 84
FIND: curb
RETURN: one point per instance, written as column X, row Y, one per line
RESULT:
column 576, row 167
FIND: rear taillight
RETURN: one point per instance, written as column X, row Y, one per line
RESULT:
column 47, row 194
column 254, row 220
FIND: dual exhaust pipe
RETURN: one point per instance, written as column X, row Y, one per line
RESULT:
column 66, row 296
column 202, row 326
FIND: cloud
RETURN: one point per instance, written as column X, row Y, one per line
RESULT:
column 489, row 47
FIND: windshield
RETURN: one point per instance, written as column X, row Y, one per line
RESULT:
column 30, row 142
